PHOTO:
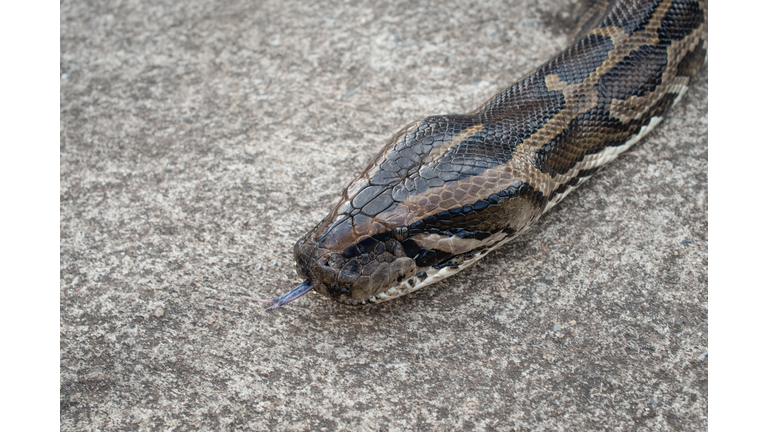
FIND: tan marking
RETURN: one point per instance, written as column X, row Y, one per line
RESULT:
column 455, row 245
column 579, row 103
column 455, row 140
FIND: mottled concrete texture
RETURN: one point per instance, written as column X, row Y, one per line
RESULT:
column 200, row 139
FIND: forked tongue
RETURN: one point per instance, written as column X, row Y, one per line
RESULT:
column 290, row 296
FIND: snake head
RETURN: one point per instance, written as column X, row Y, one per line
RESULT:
column 424, row 208
column 351, row 269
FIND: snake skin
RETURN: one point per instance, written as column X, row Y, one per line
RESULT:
column 448, row 189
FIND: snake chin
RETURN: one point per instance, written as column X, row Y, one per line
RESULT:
column 425, row 277
column 428, row 276
column 420, row 280
column 415, row 282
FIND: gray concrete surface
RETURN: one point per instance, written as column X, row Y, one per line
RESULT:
column 200, row 139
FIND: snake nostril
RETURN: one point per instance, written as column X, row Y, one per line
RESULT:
column 336, row 261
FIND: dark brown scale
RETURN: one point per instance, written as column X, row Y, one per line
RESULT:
column 465, row 182
column 691, row 63
column 576, row 63
column 588, row 133
column 631, row 16
column 638, row 74
column 682, row 18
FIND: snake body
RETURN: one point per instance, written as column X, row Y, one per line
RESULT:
column 448, row 189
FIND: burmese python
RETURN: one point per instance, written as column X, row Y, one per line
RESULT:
column 448, row 189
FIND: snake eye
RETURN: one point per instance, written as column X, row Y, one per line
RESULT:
column 400, row 233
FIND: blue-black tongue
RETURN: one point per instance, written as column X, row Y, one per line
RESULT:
column 290, row 296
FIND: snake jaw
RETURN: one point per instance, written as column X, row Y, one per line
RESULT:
column 288, row 297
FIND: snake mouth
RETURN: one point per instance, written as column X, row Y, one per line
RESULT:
column 427, row 276
column 405, row 286
column 353, row 273
column 409, row 285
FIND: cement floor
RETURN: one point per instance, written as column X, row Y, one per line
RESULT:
column 200, row 139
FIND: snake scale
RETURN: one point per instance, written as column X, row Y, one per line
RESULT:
column 448, row 189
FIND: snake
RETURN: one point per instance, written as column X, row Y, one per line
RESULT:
column 448, row 189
